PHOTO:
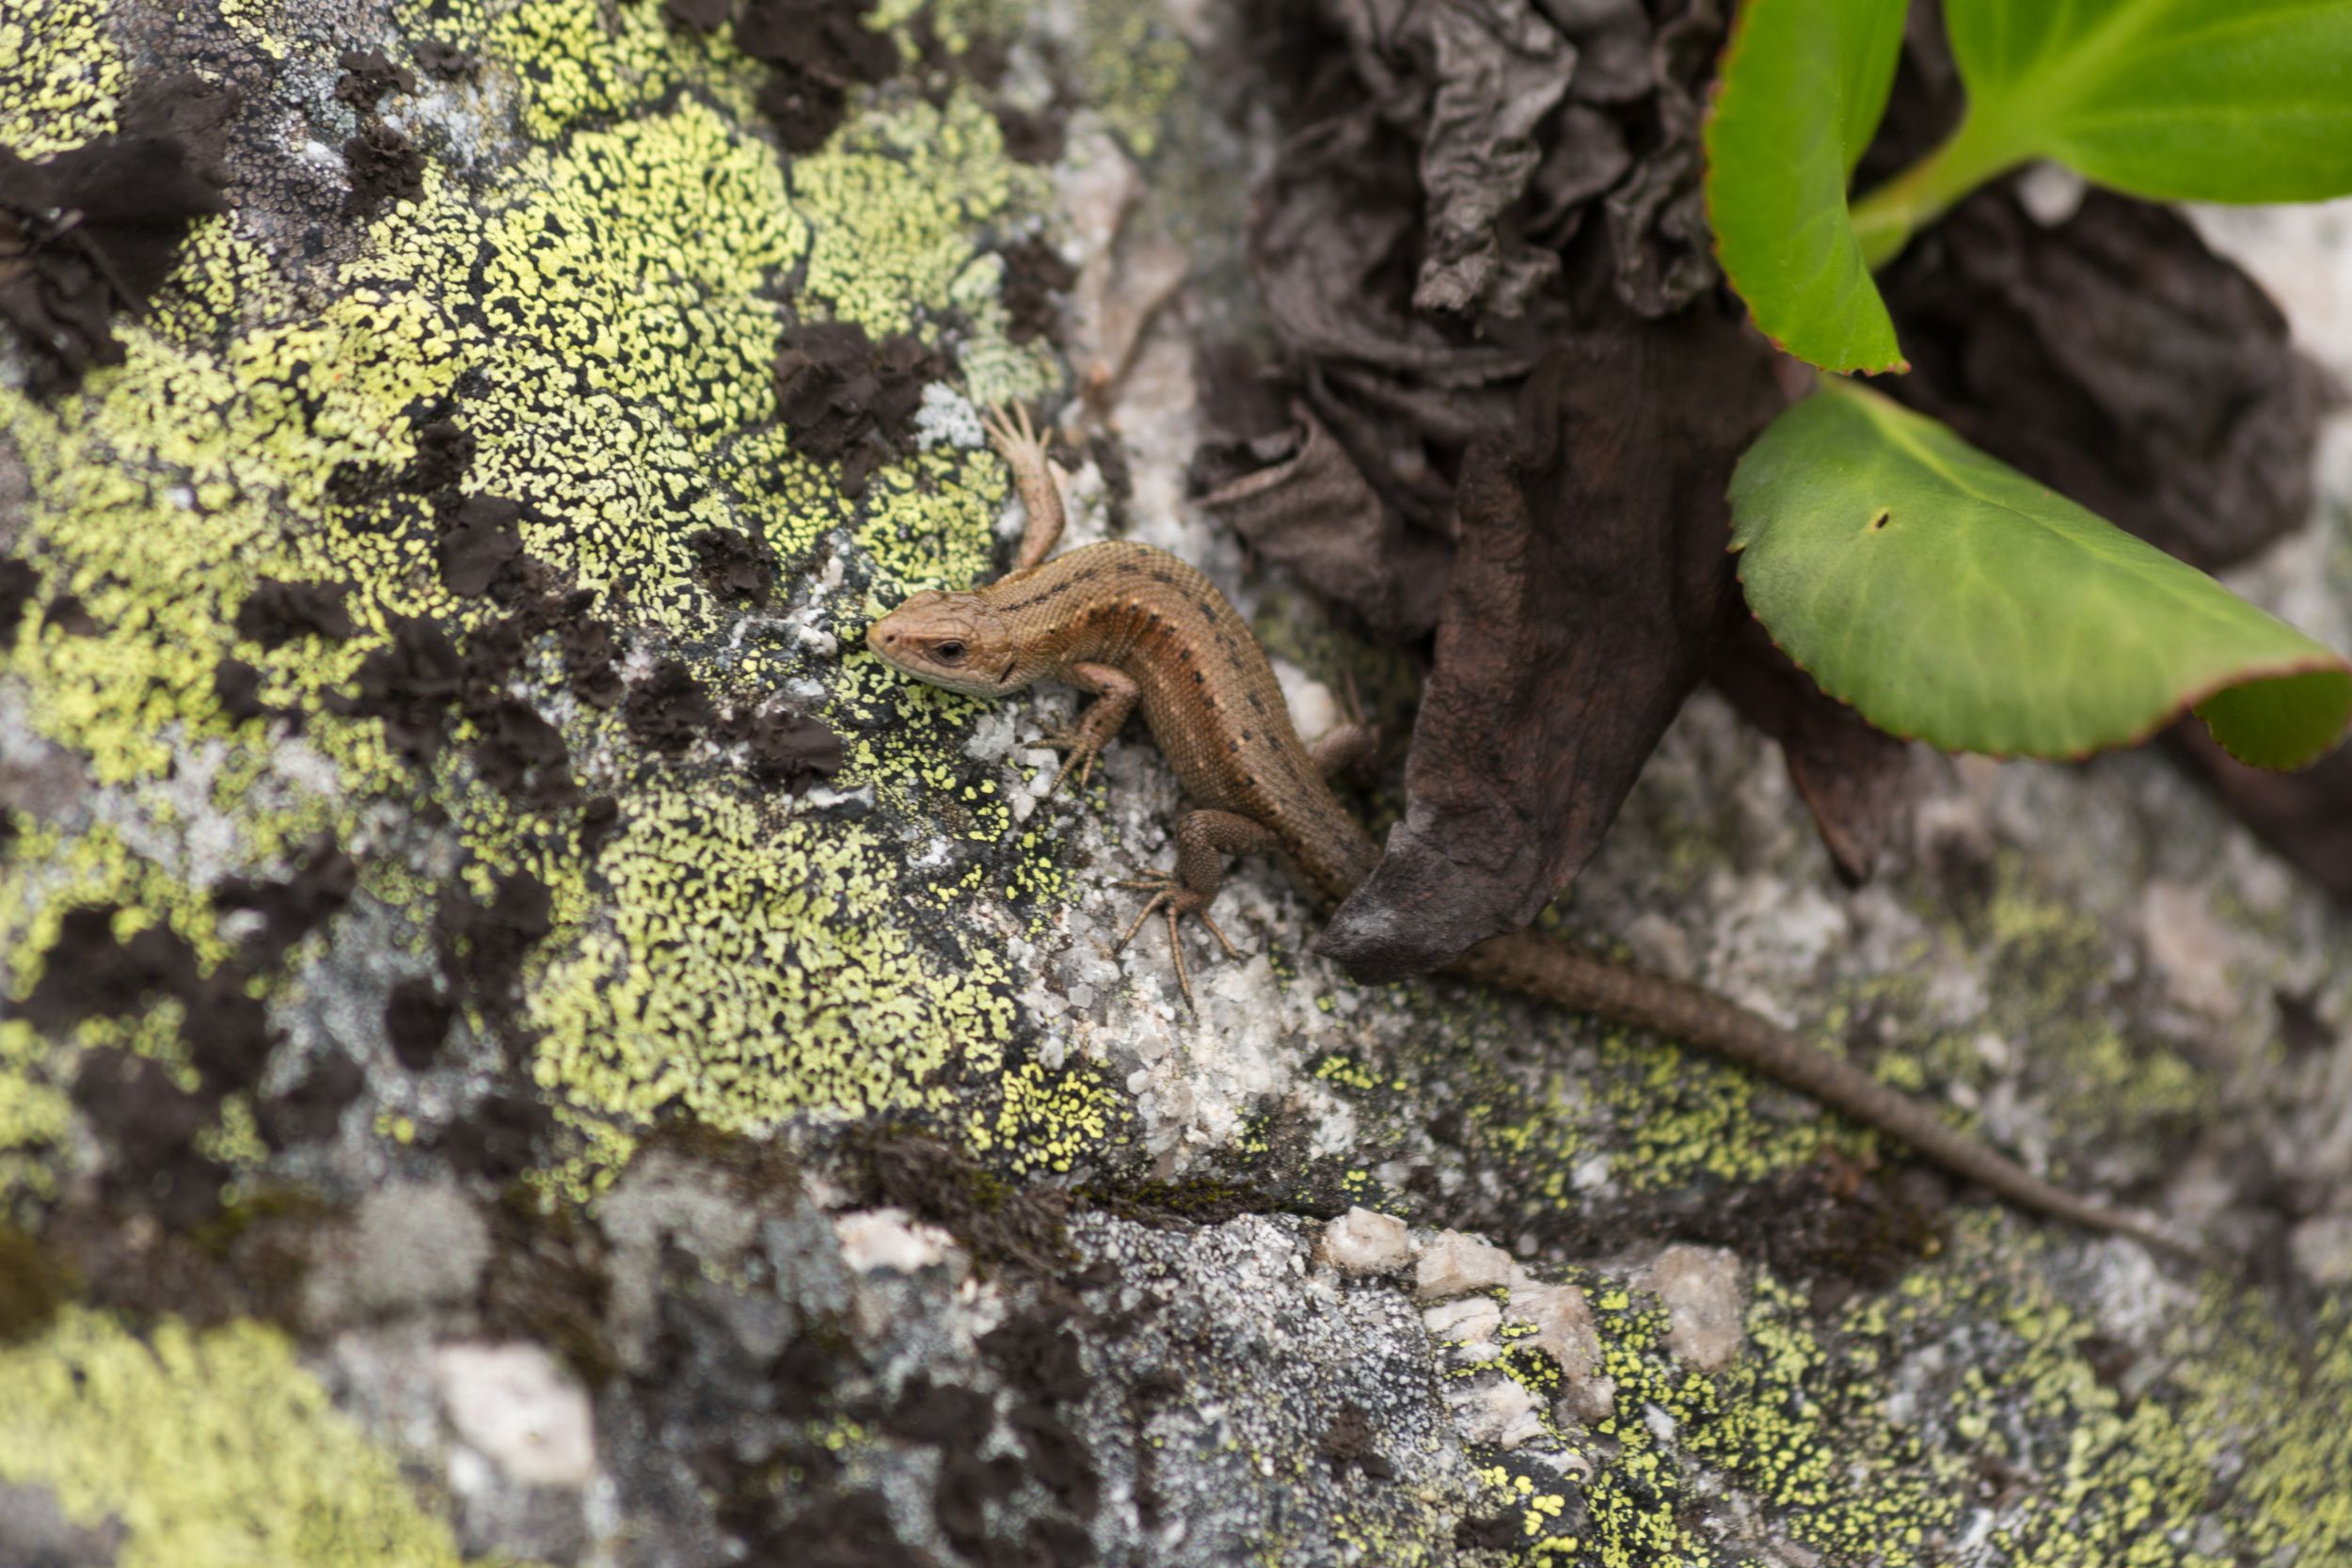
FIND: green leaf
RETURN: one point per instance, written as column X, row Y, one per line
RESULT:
column 1950, row 598
column 1803, row 86
column 2175, row 100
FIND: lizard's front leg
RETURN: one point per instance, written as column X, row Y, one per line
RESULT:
column 1115, row 696
column 1203, row 839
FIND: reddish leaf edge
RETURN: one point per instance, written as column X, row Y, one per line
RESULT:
column 1742, row 10
column 2334, row 664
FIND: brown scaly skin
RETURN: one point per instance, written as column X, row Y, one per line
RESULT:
column 1139, row 628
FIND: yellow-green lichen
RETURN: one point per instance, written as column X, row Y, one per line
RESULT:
column 212, row 1449
column 60, row 75
column 606, row 313
column 901, row 194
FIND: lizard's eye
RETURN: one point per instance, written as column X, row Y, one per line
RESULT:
column 949, row 652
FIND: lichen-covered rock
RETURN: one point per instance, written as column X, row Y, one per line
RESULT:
column 519, row 1042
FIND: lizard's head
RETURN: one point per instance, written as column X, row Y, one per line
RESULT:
column 955, row 640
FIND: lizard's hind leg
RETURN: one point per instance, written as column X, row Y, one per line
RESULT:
column 1348, row 745
column 1203, row 839
column 1023, row 449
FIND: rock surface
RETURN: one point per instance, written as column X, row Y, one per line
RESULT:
column 486, row 1074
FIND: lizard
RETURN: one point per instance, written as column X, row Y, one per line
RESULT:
column 1138, row 628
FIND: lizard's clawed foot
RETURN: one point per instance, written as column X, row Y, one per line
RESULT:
column 1084, row 750
column 1172, row 899
column 1011, row 434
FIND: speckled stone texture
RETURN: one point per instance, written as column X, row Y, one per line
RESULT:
column 520, row 1043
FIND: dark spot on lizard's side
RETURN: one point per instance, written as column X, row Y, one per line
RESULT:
column 1257, row 701
column 1208, row 611
column 1168, row 578
column 1197, row 677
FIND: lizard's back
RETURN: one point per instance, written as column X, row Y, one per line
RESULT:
column 1212, row 701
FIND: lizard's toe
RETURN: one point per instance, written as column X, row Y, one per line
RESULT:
column 1171, row 899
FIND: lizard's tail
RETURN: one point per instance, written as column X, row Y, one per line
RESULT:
column 1581, row 979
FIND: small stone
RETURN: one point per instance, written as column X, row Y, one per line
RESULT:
column 513, row 1405
column 888, row 1239
column 1362, row 1243
column 1590, row 1402
column 2322, row 1249
column 1471, row 1325
column 1700, row 1290
column 1660, row 944
column 1455, row 1264
column 1499, row 1412
column 2191, row 950
column 1563, row 1324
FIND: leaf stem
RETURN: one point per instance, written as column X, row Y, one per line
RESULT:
column 1886, row 219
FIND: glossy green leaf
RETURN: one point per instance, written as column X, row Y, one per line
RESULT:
column 1803, row 86
column 1950, row 598
column 2178, row 100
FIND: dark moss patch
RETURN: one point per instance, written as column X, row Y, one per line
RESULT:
column 237, row 687
column 848, row 399
column 1035, row 274
column 20, row 585
column 497, row 1137
column 1843, row 1229
column 549, row 1283
column 967, row 1485
column 1350, row 1440
column 385, row 166
column 599, row 823
column 785, row 748
column 228, row 1032
column 1033, row 139
column 847, row 1529
column 94, row 231
column 1499, row 1534
column 596, row 678
column 522, row 756
column 313, row 1110
column 33, row 1285
column 149, row 1125
column 368, row 77
column 1057, row 1458
column 87, row 973
column 319, row 886
column 488, row 941
column 999, row 1224
column 445, row 61
column 416, row 1019
column 733, row 565
column 669, row 711
column 927, row 1411
column 445, row 452
column 480, row 540
column 276, row 612
column 409, row 685
column 697, row 16
column 818, row 49
column 70, row 615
